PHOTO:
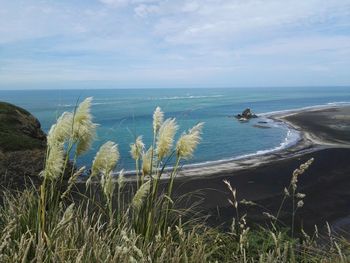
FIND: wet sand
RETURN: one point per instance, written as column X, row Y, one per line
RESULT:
column 325, row 136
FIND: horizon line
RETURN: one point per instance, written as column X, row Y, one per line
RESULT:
column 157, row 88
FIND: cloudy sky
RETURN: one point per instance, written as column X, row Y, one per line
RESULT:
column 173, row 43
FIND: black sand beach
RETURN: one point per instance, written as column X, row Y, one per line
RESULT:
column 325, row 137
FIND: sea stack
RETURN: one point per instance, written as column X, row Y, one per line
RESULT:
column 246, row 115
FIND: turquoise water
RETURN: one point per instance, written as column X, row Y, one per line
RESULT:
column 124, row 114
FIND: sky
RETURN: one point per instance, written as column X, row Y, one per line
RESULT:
column 173, row 43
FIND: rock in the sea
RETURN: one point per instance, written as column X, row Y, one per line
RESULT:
column 246, row 115
column 22, row 145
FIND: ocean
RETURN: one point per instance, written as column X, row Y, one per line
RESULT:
column 123, row 114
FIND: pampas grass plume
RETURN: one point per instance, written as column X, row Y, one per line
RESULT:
column 188, row 142
column 78, row 127
column 107, row 184
column 84, row 130
column 61, row 131
column 136, row 149
column 140, row 195
column 147, row 161
column 121, row 179
column 165, row 138
column 105, row 159
column 54, row 161
column 158, row 117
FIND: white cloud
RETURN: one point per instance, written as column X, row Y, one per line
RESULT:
column 146, row 10
column 301, row 45
column 118, row 3
column 115, row 2
column 178, row 39
column 191, row 6
column 226, row 21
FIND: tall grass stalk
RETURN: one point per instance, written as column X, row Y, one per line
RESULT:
column 291, row 192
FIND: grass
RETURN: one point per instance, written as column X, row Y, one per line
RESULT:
column 50, row 225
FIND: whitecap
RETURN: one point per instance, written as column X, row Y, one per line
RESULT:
column 187, row 97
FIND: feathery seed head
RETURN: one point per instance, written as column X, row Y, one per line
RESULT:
column 54, row 162
column 83, row 111
column 146, row 161
column 294, row 180
column 274, row 238
column 286, row 192
column 303, row 166
column 299, row 171
column 300, row 195
column 158, row 117
column 62, row 130
column 268, row 215
column 66, row 218
column 137, row 148
column 105, row 159
column 78, row 126
column 316, row 231
column 246, row 202
column 84, row 130
column 68, row 214
column 300, row 204
column 228, row 184
column 188, row 142
column 86, row 137
column 107, row 184
column 140, row 195
column 165, row 138
column 121, row 179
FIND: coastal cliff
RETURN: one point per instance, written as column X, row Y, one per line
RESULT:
column 22, row 145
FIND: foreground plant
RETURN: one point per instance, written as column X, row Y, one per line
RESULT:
column 153, row 215
column 71, row 135
column 278, row 243
column 292, row 193
column 137, row 150
column 150, row 209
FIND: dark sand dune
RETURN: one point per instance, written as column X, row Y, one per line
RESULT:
column 326, row 126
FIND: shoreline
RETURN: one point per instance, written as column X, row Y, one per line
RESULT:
column 306, row 143
column 325, row 137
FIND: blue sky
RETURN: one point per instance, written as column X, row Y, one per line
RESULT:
column 174, row 43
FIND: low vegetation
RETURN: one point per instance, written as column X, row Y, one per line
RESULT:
column 105, row 224
column 18, row 127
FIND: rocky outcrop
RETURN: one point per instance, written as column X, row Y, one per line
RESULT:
column 22, row 146
column 247, row 114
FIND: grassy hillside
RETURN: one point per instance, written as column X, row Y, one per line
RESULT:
column 19, row 130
